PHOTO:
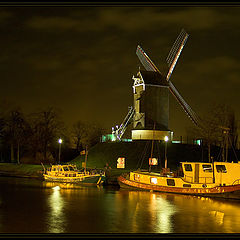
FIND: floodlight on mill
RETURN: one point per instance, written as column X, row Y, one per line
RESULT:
column 150, row 111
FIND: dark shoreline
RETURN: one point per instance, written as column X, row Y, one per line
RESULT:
column 22, row 171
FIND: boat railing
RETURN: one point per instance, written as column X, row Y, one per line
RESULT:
column 205, row 180
column 201, row 179
column 236, row 182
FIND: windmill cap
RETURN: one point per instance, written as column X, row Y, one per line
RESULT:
column 153, row 78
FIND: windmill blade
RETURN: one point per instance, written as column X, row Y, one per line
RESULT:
column 190, row 113
column 145, row 60
column 175, row 47
column 177, row 51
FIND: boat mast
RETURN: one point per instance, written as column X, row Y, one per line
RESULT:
column 152, row 148
column 151, row 156
column 227, row 139
column 213, row 170
column 43, row 167
column 85, row 165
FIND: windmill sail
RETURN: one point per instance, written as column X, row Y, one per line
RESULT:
column 172, row 61
column 188, row 110
column 176, row 46
column 145, row 60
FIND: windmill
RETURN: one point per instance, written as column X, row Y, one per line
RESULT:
column 150, row 112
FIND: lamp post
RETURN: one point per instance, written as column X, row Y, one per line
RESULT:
column 59, row 153
column 166, row 140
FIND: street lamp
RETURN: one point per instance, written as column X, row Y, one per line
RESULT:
column 166, row 140
column 59, row 153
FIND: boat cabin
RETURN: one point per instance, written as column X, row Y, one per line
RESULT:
column 222, row 173
column 62, row 170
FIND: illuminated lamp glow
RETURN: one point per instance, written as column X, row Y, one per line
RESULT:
column 60, row 140
column 113, row 138
column 166, row 138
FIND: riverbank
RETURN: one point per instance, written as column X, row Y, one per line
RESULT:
column 21, row 170
column 36, row 171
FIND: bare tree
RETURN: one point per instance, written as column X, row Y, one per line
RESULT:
column 219, row 120
column 46, row 129
column 15, row 131
column 95, row 131
column 79, row 133
column 233, row 129
column 86, row 134
column 5, row 109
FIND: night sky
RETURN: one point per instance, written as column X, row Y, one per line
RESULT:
column 82, row 59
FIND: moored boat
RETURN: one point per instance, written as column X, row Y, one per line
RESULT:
column 217, row 179
column 70, row 174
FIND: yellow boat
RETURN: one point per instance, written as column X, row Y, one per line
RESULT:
column 70, row 174
column 218, row 179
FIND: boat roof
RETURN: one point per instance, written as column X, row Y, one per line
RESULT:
column 64, row 165
column 207, row 162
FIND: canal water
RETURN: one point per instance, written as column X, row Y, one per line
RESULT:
column 34, row 206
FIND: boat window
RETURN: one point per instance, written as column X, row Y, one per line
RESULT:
column 60, row 169
column 71, row 168
column 65, row 168
column 74, row 167
column 153, row 180
column 207, row 167
column 170, row 182
column 221, row 168
column 186, row 185
column 54, row 169
column 188, row 167
column 136, row 177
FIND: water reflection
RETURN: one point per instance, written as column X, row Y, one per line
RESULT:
column 218, row 216
column 164, row 211
column 69, row 187
column 173, row 213
column 205, row 215
column 146, row 212
column 56, row 218
column 29, row 207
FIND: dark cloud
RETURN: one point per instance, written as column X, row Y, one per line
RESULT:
column 82, row 59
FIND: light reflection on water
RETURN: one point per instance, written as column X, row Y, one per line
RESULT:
column 40, row 207
column 56, row 218
column 147, row 212
column 163, row 211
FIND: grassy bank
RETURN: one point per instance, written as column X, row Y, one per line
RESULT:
column 137, row 153
column 136, row 156
column 21, row 170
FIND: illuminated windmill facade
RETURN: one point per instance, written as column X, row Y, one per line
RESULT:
column 151, row 104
